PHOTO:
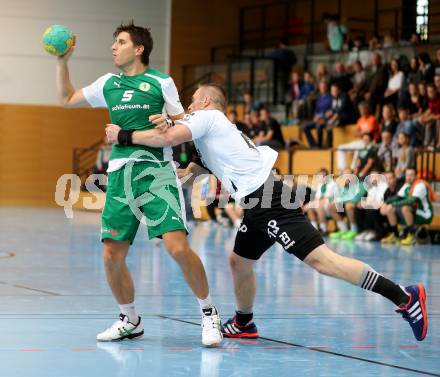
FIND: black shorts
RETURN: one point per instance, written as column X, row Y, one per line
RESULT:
column 262, row 227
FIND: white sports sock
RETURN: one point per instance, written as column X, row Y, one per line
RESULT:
column 323, row 227
column 342, row 226
column 130, row 311
column 315, row 224
column 205, row 303
column 353, row 228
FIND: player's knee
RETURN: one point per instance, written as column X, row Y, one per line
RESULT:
column 234, row 263
column 179, row 252
column 113, row 255
column 321, row 260
column 406, row 209
column 239, row 265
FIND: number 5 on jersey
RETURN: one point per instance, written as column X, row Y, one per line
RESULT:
column 127, row 96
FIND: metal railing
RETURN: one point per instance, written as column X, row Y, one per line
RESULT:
column 426, row 161
column 238, row 75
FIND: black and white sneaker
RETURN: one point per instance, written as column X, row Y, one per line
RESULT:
column 211, row 332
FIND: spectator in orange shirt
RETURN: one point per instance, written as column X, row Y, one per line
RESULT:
column 366, row 124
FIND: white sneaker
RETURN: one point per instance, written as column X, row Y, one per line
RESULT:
column 122, row 329
column 211, row 327
column 371, row 236
column 361, row 236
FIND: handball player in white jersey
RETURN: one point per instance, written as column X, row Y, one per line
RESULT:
column 246, row 172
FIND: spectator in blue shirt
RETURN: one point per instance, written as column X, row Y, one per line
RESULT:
column 408, row 126
column 305, row 97
column 323, row 105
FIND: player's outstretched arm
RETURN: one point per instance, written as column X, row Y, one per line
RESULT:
column 151, row 138
column 67, row 94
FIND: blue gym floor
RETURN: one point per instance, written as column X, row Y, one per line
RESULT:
column 54, row 299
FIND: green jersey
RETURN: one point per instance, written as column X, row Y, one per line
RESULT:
column 421, row 195
column 130, row 101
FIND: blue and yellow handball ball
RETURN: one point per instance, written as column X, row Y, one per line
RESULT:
column 57, row 39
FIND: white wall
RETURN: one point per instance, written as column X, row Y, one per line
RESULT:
column 27, row 71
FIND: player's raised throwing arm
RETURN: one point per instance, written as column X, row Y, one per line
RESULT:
column 67, row 94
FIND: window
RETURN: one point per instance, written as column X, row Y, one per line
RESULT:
column 422, row 19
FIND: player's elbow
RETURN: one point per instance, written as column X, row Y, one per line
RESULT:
column 66, row 101
column 171, row 140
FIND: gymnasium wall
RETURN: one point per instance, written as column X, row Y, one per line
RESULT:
column 36, row 147
column 27, row 71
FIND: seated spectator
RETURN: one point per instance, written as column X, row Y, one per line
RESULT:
column 306, row 89
column 389, row 121
column 414, row 74
column 423, row 94
column 233, row 118
column 430, row 119
column 359, row 80
column 358, row 44
column 437, row 81
column 348, row 196
column 374, row 43
column 365, row 124
column 317, row 210
column 414, row 101
column 321, row 73
column 295, row 92
column 367, row 157
column 322, row 106
column 407, row 125
column 270, row 131
column 341, row 113
column 404, row 156
column 411, row 206
column 370, row 222
column 377, row 84
column 250, row 104
column 385, row 151
column 426, row 67
column 252, row 121
column 341, row 78
column 395, row 83
column 101, row 164
column 415, row 39
column 388, row 41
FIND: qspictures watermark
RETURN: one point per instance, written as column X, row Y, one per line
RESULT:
column 162, row 176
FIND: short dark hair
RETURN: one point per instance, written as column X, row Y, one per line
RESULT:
column 140, row 36
column 335, row 84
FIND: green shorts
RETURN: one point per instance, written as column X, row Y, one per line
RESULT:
column 418, row 218
column 143, row 191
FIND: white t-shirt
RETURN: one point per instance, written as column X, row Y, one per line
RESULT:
column 231, row 156
column 395, row 82
column 376, row 193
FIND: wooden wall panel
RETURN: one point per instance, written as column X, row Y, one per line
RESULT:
column 36, row 147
